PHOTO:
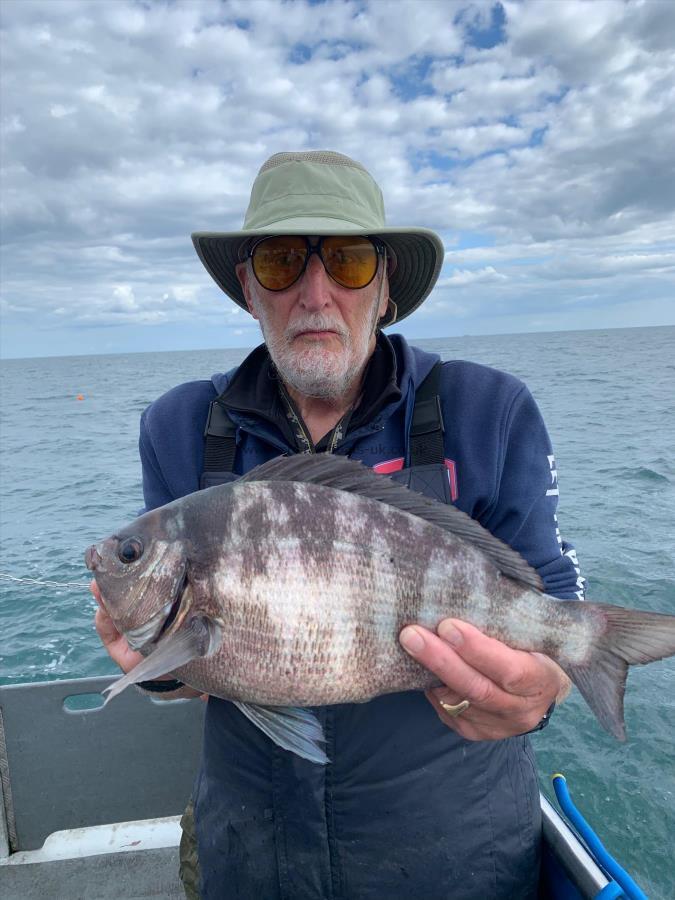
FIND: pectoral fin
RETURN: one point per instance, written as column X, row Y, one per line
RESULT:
column 172, row 651
column 291, row 727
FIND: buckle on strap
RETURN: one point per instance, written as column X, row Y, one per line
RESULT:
column 218, row 423
column 427, row 417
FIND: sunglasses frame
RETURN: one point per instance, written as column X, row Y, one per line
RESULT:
column 316, row 248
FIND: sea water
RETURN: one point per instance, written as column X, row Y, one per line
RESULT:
column 70, row 474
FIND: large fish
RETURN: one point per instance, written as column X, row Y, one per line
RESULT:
column 288, row 588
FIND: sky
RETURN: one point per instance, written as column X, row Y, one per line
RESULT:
column 535, row 137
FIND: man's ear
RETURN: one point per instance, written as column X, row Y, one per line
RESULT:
column 384, row 300
column 389, row 316
column 244, row 275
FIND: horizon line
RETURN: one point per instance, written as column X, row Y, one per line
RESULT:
column 410, row 340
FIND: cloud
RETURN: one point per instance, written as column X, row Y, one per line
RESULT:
column 462, row 277
column 535, row 137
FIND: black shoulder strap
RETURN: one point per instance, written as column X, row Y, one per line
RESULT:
column 219, row 440
column 426, row 433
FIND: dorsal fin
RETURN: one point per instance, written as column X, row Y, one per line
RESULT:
column 344, row 474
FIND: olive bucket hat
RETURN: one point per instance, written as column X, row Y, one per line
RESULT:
column 319, row 192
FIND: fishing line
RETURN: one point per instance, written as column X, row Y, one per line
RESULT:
column 79, row 584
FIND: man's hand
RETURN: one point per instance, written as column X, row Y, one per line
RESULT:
column 508, row 690
column 114, row 642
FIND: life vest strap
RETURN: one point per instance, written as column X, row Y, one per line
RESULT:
column 220, row 445
column 426, row 433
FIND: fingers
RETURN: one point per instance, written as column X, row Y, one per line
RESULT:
column 105, row 627
column 562, row 676
column 473, row 662
column 515, row 671
column 508, row 690
column 440, row 658
column 115, row 643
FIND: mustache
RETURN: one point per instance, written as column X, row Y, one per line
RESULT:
column 315, row 323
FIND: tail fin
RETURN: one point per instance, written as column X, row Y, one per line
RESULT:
column 630, row 637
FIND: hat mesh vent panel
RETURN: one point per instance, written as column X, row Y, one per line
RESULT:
column 315, row 156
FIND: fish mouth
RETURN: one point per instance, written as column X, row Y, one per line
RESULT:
column 92, row 558
column 166, row 621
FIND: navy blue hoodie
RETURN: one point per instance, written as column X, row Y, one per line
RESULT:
column 406, row 807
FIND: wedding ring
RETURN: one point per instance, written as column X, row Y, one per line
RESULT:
column 456, row 709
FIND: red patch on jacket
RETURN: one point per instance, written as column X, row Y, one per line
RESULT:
column 395, row 465
column 391, row 465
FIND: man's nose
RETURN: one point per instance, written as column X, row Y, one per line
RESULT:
column 315, row 285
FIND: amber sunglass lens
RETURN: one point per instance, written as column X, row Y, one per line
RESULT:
column 351, row 261
column 278, row 261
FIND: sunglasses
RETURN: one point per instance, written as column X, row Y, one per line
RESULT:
column 278, row 262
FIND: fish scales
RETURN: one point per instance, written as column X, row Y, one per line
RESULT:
column 289, row 588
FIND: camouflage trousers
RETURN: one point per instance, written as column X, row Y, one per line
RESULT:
column 187, row 853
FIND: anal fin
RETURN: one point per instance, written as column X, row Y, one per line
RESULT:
column 291, row 727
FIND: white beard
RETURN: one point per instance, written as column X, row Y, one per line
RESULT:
column 317, row 371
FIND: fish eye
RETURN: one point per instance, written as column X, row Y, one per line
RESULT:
column 130, row 550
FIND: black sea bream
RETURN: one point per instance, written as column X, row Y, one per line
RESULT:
column 288, row 588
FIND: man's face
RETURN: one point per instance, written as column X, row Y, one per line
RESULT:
column 319, row 334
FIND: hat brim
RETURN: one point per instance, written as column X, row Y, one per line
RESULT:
column 419, row 256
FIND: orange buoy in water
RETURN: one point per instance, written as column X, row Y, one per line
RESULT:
column 80, row 397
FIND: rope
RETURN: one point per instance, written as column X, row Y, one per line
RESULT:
column 79, row 584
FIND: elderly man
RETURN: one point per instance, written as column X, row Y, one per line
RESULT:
column 429, row 799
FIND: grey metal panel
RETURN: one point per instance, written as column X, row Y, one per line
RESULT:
column 135, row 759
column 110, row 876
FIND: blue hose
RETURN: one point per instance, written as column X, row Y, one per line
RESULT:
column 611, row 891
column 630, row 889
